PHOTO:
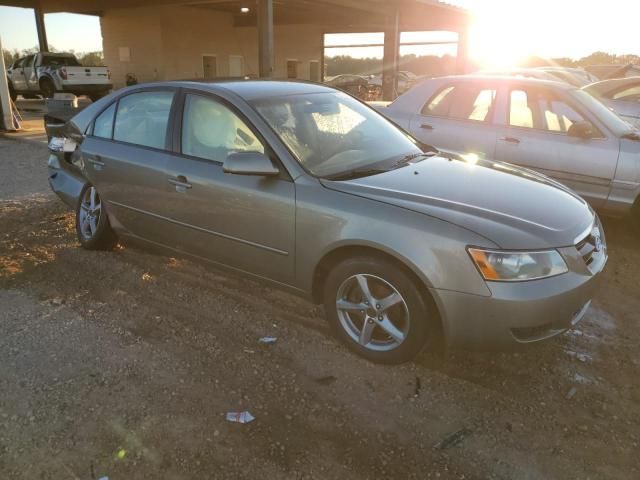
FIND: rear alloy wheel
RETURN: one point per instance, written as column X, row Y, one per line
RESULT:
column 47, row 88
column 377, row 310
column 92, row 223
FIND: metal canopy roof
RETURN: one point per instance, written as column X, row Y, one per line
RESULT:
column 335, row 14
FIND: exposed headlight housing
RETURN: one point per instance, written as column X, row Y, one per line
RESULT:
column 505, row 266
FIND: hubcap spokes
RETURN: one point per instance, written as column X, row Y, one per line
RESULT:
column 372, row 312
column 90, row 209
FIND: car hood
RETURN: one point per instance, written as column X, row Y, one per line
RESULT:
column 514, row 208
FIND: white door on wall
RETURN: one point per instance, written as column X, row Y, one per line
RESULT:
column 236, row 65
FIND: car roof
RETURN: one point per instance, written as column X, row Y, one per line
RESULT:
column 254, row 89
column 507, row 79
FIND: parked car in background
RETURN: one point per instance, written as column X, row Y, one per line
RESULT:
column 621, row 94
column 47, row 73
column 577, row 77
column 550, row 127
column 573, row 76
column 607, row 72
column 406, row 80
column 308, row 188
column 357, row 85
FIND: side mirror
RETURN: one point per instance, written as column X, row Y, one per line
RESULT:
column 249, row 163
column 583, row 130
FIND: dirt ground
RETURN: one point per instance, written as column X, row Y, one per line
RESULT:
column 123, row 364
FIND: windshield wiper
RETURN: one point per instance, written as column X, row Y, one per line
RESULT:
column 357, row 173
column 413, row 156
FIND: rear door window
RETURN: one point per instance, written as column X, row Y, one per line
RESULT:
column 462, row 102
column 142, row 118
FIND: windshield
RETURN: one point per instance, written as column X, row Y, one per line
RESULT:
column 332, row 133
column 59, row 61
column 616, row 124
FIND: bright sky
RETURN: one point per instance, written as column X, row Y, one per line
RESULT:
column 503, row 31
column 64, row 31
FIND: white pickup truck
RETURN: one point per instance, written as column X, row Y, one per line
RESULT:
column 47, row 73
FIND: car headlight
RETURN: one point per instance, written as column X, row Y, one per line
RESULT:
column 517, row 266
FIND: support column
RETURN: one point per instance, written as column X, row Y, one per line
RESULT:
column 265, row 38
column 462, row 60
column 6, row 113
column 391, row 56
column 42, row 31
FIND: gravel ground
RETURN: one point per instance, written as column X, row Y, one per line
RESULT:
column 124, row 364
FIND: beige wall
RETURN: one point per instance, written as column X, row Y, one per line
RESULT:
column 167, row 43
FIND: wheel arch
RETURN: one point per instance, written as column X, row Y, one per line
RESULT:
column 342, row 252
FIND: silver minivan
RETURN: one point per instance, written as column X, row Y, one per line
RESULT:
column 550, row 127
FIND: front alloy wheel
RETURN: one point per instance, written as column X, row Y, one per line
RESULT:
column 92, row 224
column 377, row 309
column 372, row 312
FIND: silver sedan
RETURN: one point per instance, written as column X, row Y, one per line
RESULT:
column 550, row 127
column 306, row 188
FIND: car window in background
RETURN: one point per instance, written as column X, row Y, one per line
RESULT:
column 210, row 130
column 55, row 61
column 103, row 126
column 439, row 105
column 631, row 94
column 465, row 102
column 613, row 122
column 557, row 114
column 332, row 133
column 142, row 118
column 520, row 112
column 19, row 63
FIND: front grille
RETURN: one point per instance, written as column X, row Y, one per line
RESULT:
column 592, row 245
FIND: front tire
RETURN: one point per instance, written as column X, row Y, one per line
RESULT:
column 92, row 223
column 377, row 310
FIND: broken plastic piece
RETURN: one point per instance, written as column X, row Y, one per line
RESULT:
column 240, row 417
column 268, row 340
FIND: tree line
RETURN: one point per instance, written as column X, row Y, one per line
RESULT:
column 432, row 65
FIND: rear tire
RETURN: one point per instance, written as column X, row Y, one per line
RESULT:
column 377, row 310
column 47, row 88
column 12, row 93
column 92, row 223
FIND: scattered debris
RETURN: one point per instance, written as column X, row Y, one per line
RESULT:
column 240, row 417
column 146, row 277
column 247, row 350
column 103, row 478
column 121, row 454
column 268, row 340
column 452, row 440
column 571, row 393
column 329, row 379
column 416, row 391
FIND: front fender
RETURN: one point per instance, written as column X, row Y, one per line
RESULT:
column 433, row 249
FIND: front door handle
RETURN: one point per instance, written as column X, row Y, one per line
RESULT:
column 96, row 161
column 181, row 183
column 513, row 140
column 426, row 126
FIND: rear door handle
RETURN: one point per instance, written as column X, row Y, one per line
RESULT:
column 513, row 140
column 426, row 126
column 181, row 183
